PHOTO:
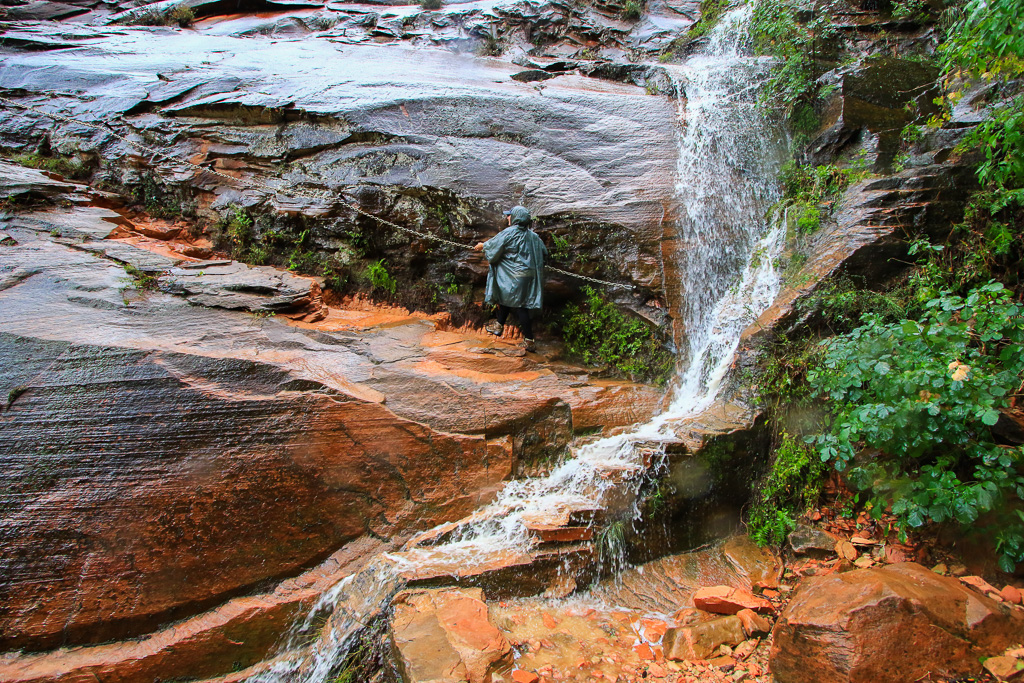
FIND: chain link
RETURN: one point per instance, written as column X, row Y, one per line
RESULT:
column 260, row 184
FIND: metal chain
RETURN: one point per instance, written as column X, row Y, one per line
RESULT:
column 260, row 184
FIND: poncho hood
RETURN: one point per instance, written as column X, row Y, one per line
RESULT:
column 520, row 216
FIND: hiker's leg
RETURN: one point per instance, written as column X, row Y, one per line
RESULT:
column 502, row 314
column 525, row 326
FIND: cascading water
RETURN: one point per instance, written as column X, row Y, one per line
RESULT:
column 728, row 160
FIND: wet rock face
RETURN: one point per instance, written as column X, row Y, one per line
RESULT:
column 103, row 446
column 900, row 622
column 429, row 139
column 151, row 448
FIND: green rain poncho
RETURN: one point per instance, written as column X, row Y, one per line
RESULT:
column 516, row 255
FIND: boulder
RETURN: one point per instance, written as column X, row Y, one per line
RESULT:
column 446, row 635
column 729, row 600
column 807, row 540
column 895, row 623
column 699, row 641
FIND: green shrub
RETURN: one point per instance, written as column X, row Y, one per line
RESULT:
column 632, row 10
column 181, row 15
column 139, row 279
column 431, row 4
column 793, row 88
column 156, row 199
column 913, row 403
column 910, row 10
column 380, row 279
column 598, row 333
column 987, row 40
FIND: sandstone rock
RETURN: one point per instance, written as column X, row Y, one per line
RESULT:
column 863, row 562
column 1011, row 594
column 158, row 230
column 729, row 600
column 846, row 551
column 736, row 562
column 379, row 128
column 195, row 438
column 979, row 584
column 725, row 663
column 807, row 540
column 236, row 285
column 699, row 641
column 7, row 241
column 446, row 635
column 521, row 676
column 1005, row 668
column 18, row 181
column 898, row 622
column 686, row 616
column 753, row 623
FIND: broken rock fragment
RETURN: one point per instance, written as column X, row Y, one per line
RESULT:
column 729, row 600
column 699, row 641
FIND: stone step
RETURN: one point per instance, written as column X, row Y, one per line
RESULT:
column 502, row 573
column 550, row 533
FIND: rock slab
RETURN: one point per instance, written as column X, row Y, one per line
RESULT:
column 699, row 641
column 896, row 623
column 442, row 635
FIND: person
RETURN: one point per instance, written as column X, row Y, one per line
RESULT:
column 515, row 281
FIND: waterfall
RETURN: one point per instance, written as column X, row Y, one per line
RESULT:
column 728, row 160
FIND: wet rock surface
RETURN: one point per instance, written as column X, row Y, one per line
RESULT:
column 385, row 128
column 898, row 622
column 160, row 445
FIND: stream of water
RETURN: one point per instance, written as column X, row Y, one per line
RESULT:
column 728, row 160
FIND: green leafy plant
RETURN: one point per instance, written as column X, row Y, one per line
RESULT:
column 913, row 403
column 559, row 248
column 792, row 88
column 598, row 333
column 14, row 393
column 178, row 15
column 155, row 198
column 986, row 40
column 380, row 279
column 911, row 10
column 632, row 10
column 140, row 279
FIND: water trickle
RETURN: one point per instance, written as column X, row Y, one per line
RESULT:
column 729, row 155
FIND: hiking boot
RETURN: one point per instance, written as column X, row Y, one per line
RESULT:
column 495, row 328
column 528, row 345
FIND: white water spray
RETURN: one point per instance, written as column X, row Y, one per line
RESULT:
column 728, row 160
